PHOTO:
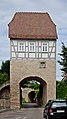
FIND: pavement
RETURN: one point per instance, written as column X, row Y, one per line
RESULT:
column 4, row 110
column 23, row 113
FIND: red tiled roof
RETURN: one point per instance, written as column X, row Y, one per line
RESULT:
column 32, row 25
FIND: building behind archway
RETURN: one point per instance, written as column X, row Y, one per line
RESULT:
column 33, row 53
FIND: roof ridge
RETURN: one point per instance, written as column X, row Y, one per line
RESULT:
column 33, row 12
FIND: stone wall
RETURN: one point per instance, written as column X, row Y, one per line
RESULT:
column 5, row 95
column 21, row 69
column 4, row 103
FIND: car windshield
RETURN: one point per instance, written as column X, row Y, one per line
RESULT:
column 59, row 104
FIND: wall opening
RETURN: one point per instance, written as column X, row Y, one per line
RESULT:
column 31, row 97
column 33, row 92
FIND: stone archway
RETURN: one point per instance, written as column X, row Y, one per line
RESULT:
column 21, row 70
column 43, row 90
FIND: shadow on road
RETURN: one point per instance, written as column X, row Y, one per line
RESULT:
column 30, row 105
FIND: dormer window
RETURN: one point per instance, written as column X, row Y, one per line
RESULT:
column 44, row 47
column 21, row 46
column 32, row 47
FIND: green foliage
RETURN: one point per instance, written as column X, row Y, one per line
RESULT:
column 34, row 84
column 5, row 72
column 61, row 89
column 31, row 84
column 63, row 61
column 23, row 100
column 5, row 68
column 3, row 78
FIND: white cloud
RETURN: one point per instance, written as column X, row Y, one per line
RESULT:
column 57, row 9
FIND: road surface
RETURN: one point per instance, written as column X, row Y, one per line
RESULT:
column 24, row 113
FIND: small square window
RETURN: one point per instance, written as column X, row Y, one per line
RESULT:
column 42, row 64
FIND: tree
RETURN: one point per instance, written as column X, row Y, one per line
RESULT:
column 61, row 86
column 61, row 89
column 63, row 61
column 5, row 72
column 5, row 68
column 3, row 78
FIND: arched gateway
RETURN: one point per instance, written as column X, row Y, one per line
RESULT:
column 33, row 54
column 43, row 89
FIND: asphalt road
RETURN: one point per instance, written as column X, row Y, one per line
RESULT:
column 24, row 113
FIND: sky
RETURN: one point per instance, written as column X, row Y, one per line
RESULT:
column 57, row 10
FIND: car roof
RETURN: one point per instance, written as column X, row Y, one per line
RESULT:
column 57, row 100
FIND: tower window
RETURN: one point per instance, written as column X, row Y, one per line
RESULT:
column 44, row 47
column 21, row 46
column 31, row 47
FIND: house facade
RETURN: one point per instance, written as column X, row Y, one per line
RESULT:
column 32, row 54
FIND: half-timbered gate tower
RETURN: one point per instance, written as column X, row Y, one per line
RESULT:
column 33, row 54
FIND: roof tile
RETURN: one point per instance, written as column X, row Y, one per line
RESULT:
column 32, row 25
